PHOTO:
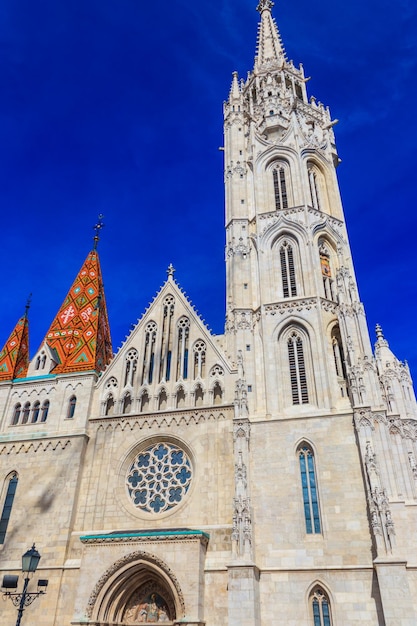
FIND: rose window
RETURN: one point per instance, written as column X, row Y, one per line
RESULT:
column 159, row 478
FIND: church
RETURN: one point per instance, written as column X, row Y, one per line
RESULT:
column 263, row 477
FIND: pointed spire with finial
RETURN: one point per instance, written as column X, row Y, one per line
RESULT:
column 270, row 50
column 80, row 333
column 234, row 89
column 14, row 358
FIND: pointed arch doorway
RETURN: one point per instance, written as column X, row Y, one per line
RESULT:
column 137, row 589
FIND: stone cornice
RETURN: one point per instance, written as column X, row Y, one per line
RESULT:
column 176, row 417
column 41, row 443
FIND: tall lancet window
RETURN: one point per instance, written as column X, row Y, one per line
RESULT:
column 199, row 359
column 298, row 377
column 130, row 367
column 314, row 188
column 320, row 606
column 149, row 353
column 326, row 272
column 182, row 349
column 280, row 187
column 166, row 339
column 309, row 487
column 7, row 506
column 286, row 256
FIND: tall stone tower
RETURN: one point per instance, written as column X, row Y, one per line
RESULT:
column 319, row 402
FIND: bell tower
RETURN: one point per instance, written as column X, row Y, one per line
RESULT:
column 292, row 302
column 308, row 375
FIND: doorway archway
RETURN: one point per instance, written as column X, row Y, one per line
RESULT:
column 138, row 588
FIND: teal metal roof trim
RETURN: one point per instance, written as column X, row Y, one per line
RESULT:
column 155, row 534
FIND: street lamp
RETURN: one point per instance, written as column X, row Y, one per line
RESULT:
column 30, row 561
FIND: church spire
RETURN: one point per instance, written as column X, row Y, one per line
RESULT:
column 79, row 336
column 270, row 51
column 14, row 358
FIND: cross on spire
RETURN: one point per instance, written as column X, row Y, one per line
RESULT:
column 28, row 303
column 171, row 271
column 97, row 228
column 264, row 5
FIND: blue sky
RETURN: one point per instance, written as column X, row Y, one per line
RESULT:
column 116, row 108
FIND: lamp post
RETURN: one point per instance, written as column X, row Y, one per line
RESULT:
column 30, row 561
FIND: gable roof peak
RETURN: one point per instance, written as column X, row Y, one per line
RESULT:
column 80, row 333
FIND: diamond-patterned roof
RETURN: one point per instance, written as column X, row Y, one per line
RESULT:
column 14, row 358
column 80, row 332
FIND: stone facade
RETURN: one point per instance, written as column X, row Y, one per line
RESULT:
column 266, row 476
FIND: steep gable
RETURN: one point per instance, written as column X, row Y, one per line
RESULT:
column 170, row 360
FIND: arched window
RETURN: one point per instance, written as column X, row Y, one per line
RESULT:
column 109, row 407
column 339, row 359
column 199, row 359
column 127, row 403
column 162, row 400
column 180, row 398
column 298, row 377
column 26, row 413
column 198, row 396
column 130, row 367
column 280, row 187
column 286, row 255
column 314, row 188
column 144, row 402
column 38, row 363
column 35, row 411
column 44, row 411
column 309, row 487
column 7, row 507
column 16, row 414
column 320, row 607
column 326, row 272
column 71, row 407
column 182, row 349
column 217, row 394
column 149, row 353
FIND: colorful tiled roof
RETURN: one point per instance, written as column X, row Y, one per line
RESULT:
column 80, row 333
column 14, row 358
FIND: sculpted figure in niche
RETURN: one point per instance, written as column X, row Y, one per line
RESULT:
column 151, row 610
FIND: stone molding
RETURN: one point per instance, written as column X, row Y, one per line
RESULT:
column 302, row 304
column 407, row 428
column 166, row 419
column 34, row 446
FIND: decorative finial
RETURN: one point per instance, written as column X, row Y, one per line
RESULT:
column 28, row 303
column 379, row 333
column 171, row 271
column 97, row 228
column 264, row 5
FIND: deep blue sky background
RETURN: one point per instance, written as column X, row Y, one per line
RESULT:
column 116, row 107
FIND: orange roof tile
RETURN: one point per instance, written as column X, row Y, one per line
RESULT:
column 14, row 358
column 80, row 333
